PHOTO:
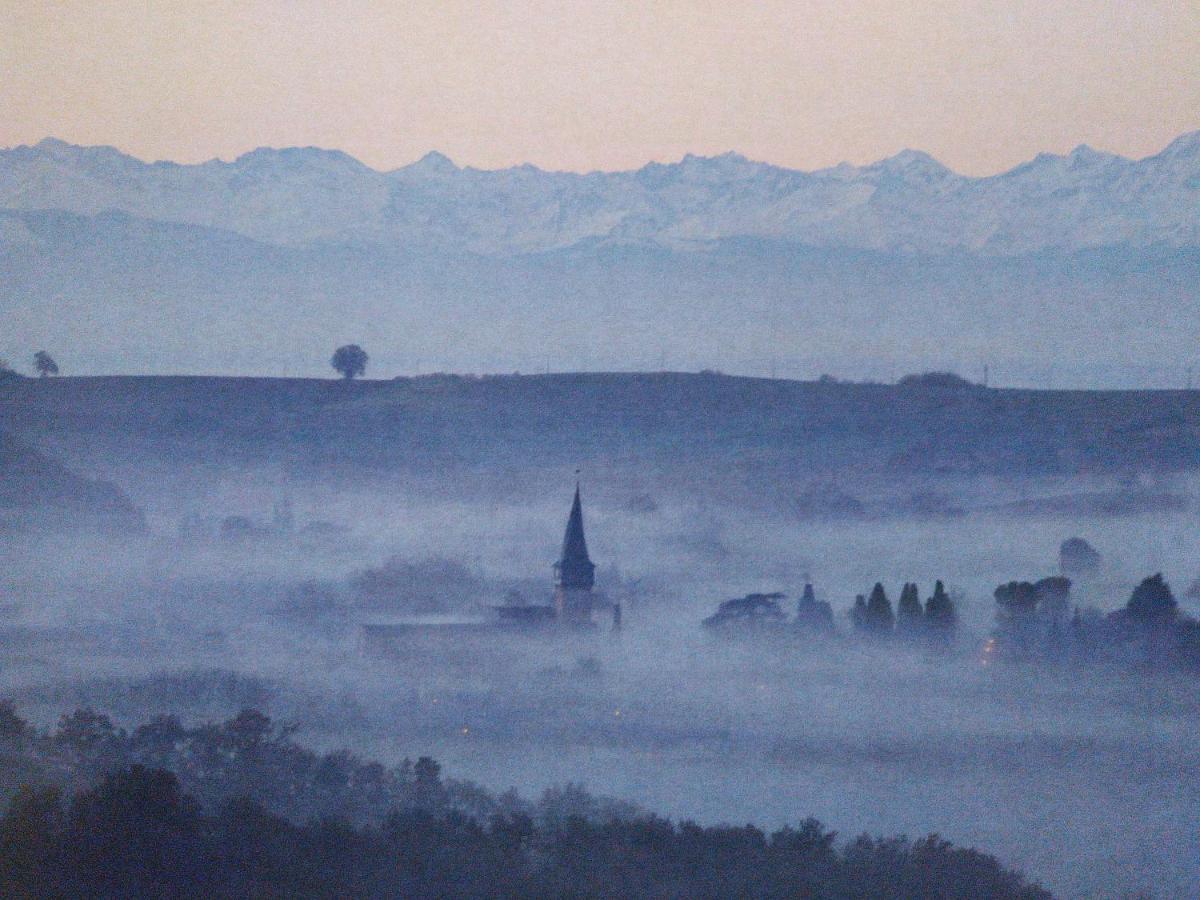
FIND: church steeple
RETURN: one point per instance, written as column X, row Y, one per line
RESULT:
column 574, row 570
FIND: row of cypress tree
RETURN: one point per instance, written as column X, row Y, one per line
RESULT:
column 874, row 616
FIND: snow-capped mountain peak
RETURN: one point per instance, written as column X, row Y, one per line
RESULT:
column 909, row 201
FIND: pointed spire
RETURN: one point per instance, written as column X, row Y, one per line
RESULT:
column 575, row 569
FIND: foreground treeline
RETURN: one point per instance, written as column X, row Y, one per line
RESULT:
column 136, row 831
column 252, row 756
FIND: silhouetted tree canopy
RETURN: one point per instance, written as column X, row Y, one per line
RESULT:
column 813, row 614
column 940, row 615
column 136, row 831
column 349, row 360
column 858, row 613
column 1077, row 557
column 879, row 618
column 1016, row 600
column 753, row 611
column 1054, row 598
column 909, row 614
column 44, row 364
column 1152, row 602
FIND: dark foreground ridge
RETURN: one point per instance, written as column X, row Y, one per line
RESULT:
column 134, row 830
column 775, row 426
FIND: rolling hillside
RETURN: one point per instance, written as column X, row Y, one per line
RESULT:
column 38, row 491
column 659, row 420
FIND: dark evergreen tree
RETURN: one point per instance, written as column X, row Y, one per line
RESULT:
column 879, row 617
column 809, row 597
column 909, row 615
column 940, row 615
column 813, row 614
column 136, row 833
column 1187, row 643
column 858, row 615
column 1152, row 602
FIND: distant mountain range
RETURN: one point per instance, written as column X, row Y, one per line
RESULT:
column 1068, row 270
column 909, row 203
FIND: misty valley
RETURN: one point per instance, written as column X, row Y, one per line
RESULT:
column 675, row 450
column 316, row 593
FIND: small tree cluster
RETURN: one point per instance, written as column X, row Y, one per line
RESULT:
column 1034, row 621
column 1031, row 616
column 937, row 619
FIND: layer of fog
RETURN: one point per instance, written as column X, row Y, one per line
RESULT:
column 1082, row 778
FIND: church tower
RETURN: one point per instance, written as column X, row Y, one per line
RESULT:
column 574, row 573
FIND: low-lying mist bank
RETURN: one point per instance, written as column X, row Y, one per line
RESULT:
column 276, row 518
column 1079, row 777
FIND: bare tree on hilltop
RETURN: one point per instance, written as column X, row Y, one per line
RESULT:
column 350, row 360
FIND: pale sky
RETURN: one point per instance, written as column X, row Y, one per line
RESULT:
column 980, row 84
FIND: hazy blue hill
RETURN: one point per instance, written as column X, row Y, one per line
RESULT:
column 658, row 420
column 130, row 294
column 38, row 491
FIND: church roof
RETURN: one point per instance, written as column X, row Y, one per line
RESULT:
column 575, row 569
